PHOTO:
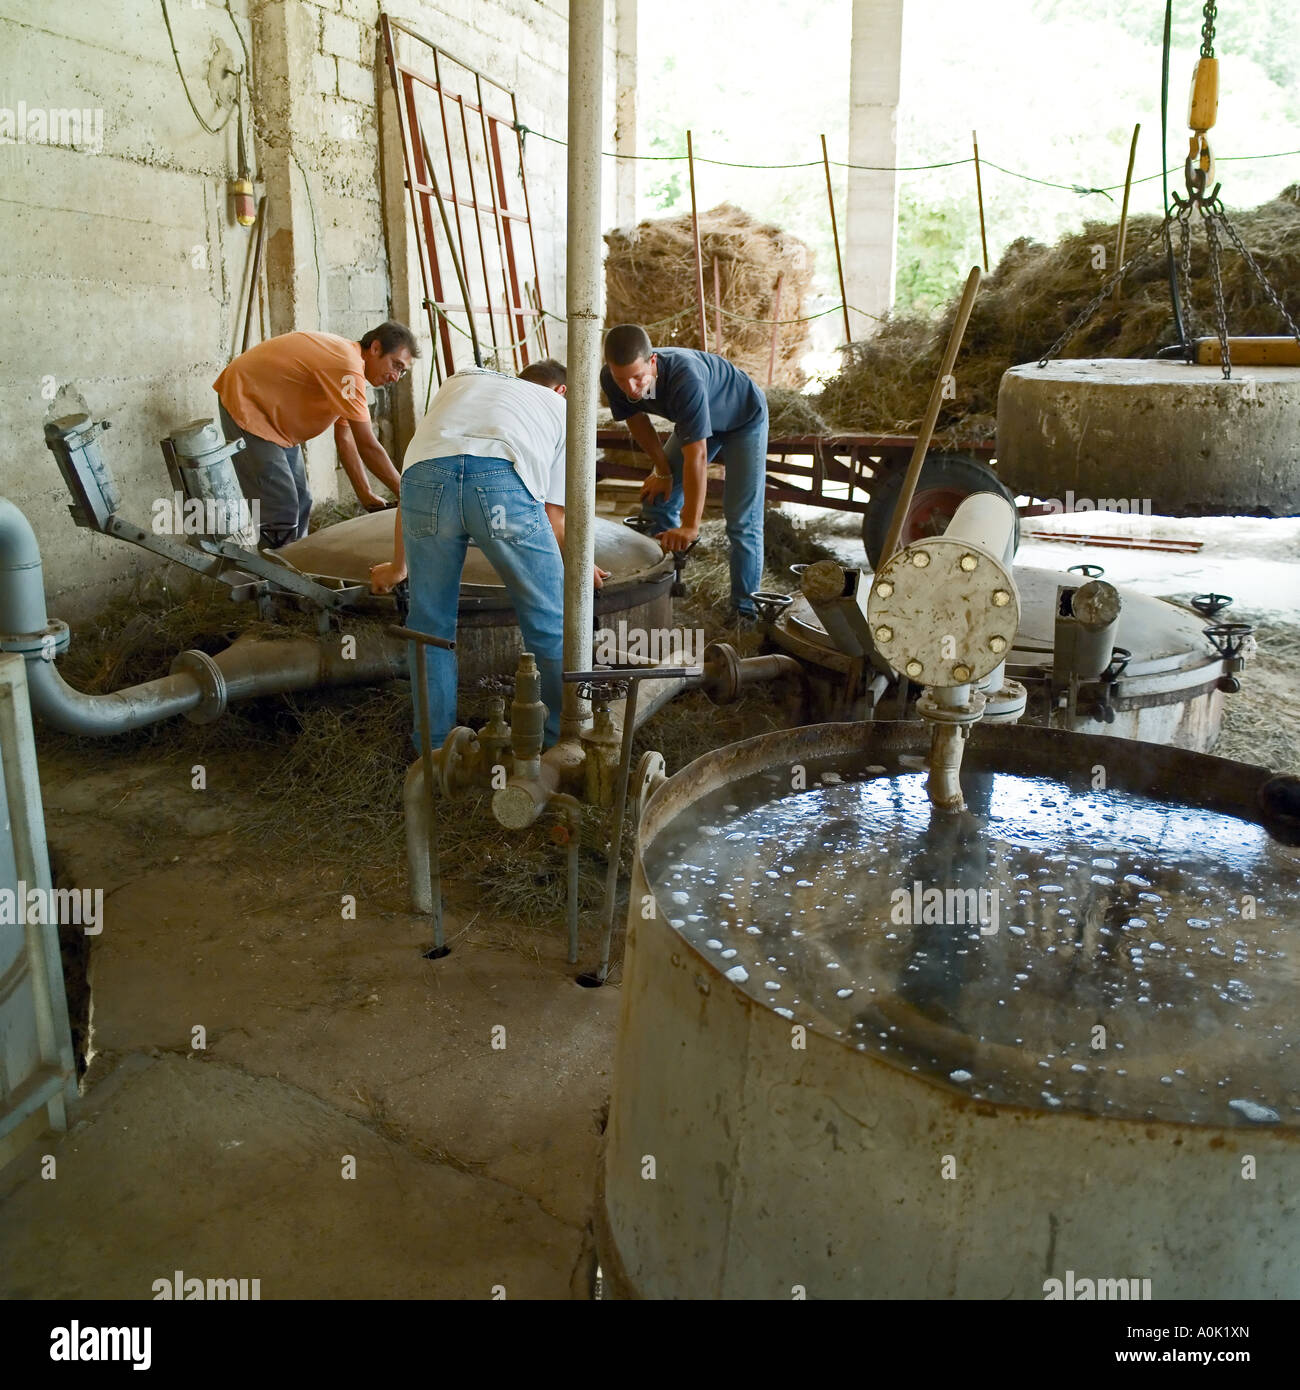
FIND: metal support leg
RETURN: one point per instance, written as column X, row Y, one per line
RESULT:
column 416, row 642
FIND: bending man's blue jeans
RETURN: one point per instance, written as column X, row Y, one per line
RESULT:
column 276, row 477
column 744, row 455
column 446, row 503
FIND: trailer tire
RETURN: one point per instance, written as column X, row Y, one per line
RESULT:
column 946, row 481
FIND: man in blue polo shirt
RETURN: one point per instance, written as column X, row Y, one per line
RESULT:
column 715, row 409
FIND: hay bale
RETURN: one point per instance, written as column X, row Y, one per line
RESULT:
column 792, row 413
column 650, row 279
column 1031, row 298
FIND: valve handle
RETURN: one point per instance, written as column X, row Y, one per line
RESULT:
column 1228, row 638
column 1210, row 604
column 1119, row 660
column 1088, row 571
column 771, row 605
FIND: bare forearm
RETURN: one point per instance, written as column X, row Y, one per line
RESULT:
column 640, row 428
column 377, row 461
column 555, row 515
column 351, row 461
column 695, row 465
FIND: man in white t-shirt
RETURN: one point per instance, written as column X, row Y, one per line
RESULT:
column 486, row 464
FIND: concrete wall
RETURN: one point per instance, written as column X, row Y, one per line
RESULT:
column 126, row 270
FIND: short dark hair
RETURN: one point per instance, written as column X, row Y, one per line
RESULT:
column 390, row 336
column 627, row 343
column 547, row 372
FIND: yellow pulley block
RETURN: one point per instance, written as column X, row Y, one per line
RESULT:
column 1203, row 105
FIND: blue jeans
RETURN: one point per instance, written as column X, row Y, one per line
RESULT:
column 275, row 476
column 446, row 503
column 744, row 453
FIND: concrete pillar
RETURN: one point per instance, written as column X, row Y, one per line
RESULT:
column 625, row 180
column 284, row 40
column 871, row 224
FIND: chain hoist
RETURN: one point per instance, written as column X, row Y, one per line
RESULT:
column 1202, row 199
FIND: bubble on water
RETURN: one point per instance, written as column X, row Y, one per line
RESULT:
column 843, row 993
column 737, row 835
column 731, row 808
column 1105, row 864
column 771, row 984
column 960, row 1076
column 1052, row 1100
column 710, row 830
column 1078, row 1066
column 1101, row 878
column 831, row 778
column 677, row 923
column 1016, row 931
column 1257, row 1114
column 738, row 974
column 729, row 953
column 754, row 931
column 808, row 883
column 713, row 944
column 785, row 1013
column 682, row 898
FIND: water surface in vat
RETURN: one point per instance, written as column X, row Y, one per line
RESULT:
column 1118, row 968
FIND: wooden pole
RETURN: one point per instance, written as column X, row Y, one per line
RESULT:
column 257, row 270
column 835, row 233
column 717, row 307
column 695, row 232
column 931, row 415
column 1123, row 214
column 776, row 328
column 979, row 194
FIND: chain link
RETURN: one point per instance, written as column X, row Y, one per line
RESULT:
column 1259, row 275
column 1091, row 308
column 1207, row 29
column 1216, row 281
column 1185, row 276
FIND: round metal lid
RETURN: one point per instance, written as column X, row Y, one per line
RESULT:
column 347, row 551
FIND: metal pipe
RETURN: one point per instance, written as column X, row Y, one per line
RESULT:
column 947, row 744
column 22, row 586
column 583, row 271
column 418, row 809
column 988, row 520
column 571, row 808
column 199, row 686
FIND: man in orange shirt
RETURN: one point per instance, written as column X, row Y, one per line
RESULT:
column 288, row 390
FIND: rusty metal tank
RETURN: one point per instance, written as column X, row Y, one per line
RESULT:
column 488, row 640
column 1088, row 1084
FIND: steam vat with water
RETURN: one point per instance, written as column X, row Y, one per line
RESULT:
column 873, row 1050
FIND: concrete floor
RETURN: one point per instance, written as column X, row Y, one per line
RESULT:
column 325, row 1037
